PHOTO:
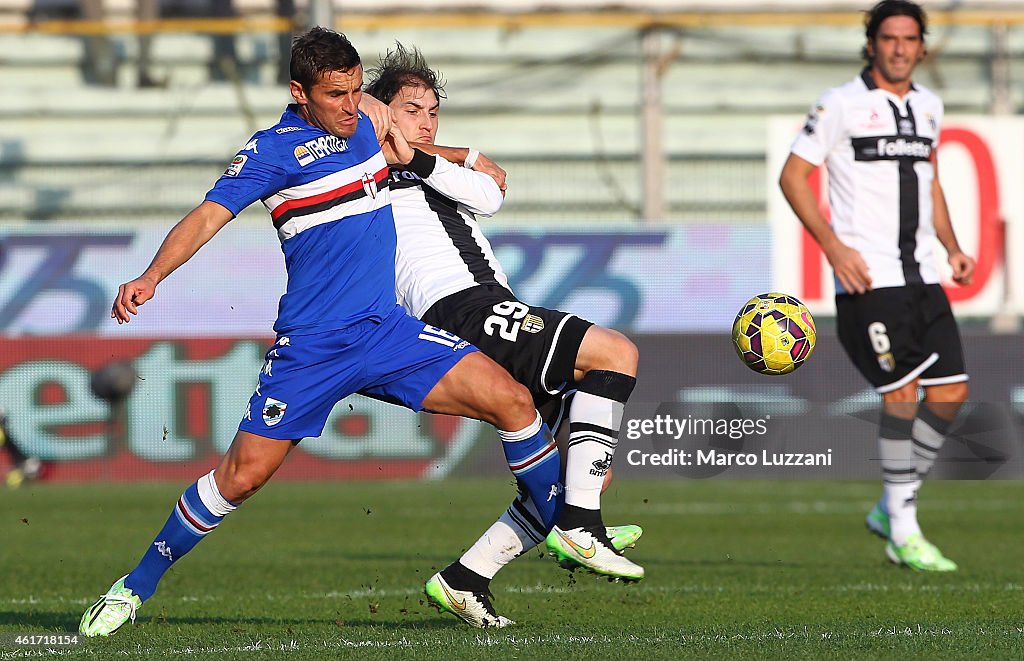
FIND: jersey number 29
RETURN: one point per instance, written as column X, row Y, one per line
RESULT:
column 505, row 319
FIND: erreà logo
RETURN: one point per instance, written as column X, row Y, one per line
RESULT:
column 273, row 411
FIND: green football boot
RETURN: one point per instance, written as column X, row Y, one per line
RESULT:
column 920, row 554
column 473, row 608
column 624, row 537
column 112, row 610
column 591, row 549
column 878, row 521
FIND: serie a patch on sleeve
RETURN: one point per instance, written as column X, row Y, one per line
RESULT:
column 237, row 163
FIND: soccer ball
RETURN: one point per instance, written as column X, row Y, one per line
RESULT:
column 773, row 333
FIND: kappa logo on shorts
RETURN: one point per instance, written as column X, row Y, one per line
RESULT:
column 532, row 324
column 273, row 411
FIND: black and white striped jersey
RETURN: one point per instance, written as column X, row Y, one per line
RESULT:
column 441, row 249
column 878, row 149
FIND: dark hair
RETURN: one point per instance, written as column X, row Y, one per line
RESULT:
column 400, row 68
column 318, row 51
column 874, row 17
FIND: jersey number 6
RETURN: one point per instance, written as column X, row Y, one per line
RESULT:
column 879, row 339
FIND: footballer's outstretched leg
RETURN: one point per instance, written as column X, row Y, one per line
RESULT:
column 247, row 465
column 606, row 364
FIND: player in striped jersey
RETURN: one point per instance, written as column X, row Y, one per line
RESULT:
column 877, row 135
column 323, row 177
column 446, row 272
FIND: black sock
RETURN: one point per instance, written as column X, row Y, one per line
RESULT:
column 579, row 517
column 461, row 577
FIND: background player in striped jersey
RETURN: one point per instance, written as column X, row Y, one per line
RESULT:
column 877, row 135
column 323, row 177
column 447, row 274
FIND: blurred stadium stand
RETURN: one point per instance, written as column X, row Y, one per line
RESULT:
column 554, row 97
column 97, row 160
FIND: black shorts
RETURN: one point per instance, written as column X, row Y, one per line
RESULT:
column 537, row 346
column 894, row 335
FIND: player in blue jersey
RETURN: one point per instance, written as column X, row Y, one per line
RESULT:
column 323, row 177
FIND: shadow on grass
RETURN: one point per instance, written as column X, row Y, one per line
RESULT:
column 62, row 621
column 65, row 622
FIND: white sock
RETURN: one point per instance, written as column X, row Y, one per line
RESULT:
column 901, row 502
column 594, row 423
column 899, row 476
column 515, row 532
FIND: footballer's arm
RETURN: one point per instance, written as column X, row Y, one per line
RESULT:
column 475, row 191
column 381, row 117
column 848, row 264
column 459, row 155
column 181, row 243
column 963, row 265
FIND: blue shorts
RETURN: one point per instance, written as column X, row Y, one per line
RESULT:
column 398, row 360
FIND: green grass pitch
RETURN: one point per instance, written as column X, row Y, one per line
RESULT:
column 334, row 570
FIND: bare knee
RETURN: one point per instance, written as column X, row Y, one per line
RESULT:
column 956, row 393
column 509, row 405
column 902, row 402
column 238, row 483
column 477, row 387
column 607, row 349
column 245, row 468
column 946, row 400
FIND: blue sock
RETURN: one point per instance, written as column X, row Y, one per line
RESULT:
column 532, row 456
column 198, row 511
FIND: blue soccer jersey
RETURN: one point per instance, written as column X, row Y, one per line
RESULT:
column 329, row 201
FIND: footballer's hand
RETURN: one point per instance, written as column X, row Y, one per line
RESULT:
column 396, row 148
column 493, row 170
column 850, row 268
column 130, row 296
column 963, row 268
column 379, row 114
